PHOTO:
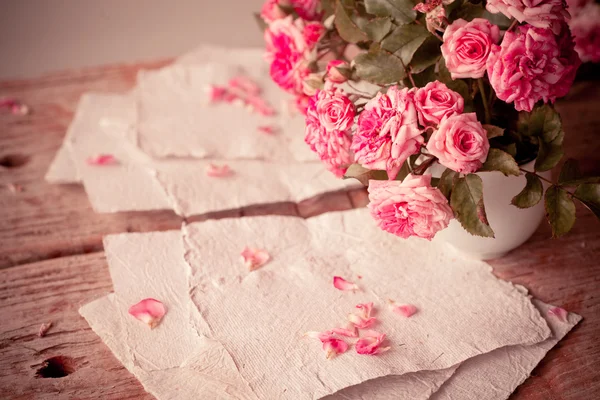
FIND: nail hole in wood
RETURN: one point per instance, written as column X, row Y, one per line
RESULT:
column 14, row 160
column 56, row 367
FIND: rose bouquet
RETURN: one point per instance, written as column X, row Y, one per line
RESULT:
column 394, row 91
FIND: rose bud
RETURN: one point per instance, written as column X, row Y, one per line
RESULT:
column 338, row 71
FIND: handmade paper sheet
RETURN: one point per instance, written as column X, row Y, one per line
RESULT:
column 138, row 182
column 134, row 258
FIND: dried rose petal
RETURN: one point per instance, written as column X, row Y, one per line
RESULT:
column 333, row 347
column 366, row 309
column 342, row 284
column 406, row 310
column 14, row 105
column 149, row 311
column 370, row 343
column 360, row 322
column 348, row 332
column 559, row 312
column 245, row 84
column 217, row 93
column 101, row 159
column 218, row 171
column 268, row 129
column 259, row 105
column 44, row 329
column 255, row 258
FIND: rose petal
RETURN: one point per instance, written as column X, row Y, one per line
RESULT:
column 218, row 171
column 14, row 105
column 406, row 310
column 101, row 159
column 342, row 284
column 558, row 312
column 245, row 84
column 255, row 258
column 348, row 332
column 44, row 329
column 149, row 311
column 14, row 188
column 370, row 343
column 360, row 322
column 268, row 129
column 333, row 347
column 366, row 309
column 322, row 336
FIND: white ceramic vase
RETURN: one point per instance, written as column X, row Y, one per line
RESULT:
column 512, row 226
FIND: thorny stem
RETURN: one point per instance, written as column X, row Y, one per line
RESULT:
column 410, row 77
column 488, row 117
column 539, row 176
column 423, row 167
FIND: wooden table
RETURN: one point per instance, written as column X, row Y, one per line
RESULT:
column 51, row 258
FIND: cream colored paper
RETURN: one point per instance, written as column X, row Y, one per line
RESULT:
column 104, row 123
column 464, row 310
column 150, row 265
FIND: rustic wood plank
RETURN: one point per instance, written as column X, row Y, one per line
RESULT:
column 53, row 290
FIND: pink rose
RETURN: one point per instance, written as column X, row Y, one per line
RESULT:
column 409, row 208
column 460, row 143
column 388, row 132
column 271, row 11
column 467, row 46
column 532, row 64
column 312, row 33
column 335, row 71
column 288, row 53
column 435, row 102
column 539, row 13
column 329, row 120
column 586, row 29
column 308, row 10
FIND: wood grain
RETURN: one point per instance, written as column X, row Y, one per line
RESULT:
column 53, row 222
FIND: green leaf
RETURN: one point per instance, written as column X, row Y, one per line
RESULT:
column 498, row 160
column 427, row 55
column 467, row 202
column 589, row 195
column 401, row 10
column 447, row 181
column 543, row 122
column 347, row 28
column 549, row 154
column 379, row 67
column 363, row 175
column 569, row 171
column 560, row 210
column 405, row 40
column 531, row 193
column 493, row 131
column 377, row 28
column 467, row 11
column 329, row 7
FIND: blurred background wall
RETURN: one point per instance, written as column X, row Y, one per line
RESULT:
column 40, row 36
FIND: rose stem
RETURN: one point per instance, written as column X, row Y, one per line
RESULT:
column 488, row 118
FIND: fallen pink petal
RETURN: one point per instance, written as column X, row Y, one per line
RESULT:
column 102, row 159
column 149, row 311
column 44, row 328
column 14, row 106
column 218, row 171
column 333, row 347
column 348, row 332
column 268, row 129
column 342, row 284
column 559, row 313
column 322, row 336
column 366, row 309
column 255, row 258
column 360, row 322
column 14, row 188
column 370, row 343
column 405, row 310
column 246, row 84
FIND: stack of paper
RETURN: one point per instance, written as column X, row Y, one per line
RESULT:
column 165, row 134
column 231, row 333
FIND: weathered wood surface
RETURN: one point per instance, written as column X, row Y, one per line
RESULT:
column 55, row 223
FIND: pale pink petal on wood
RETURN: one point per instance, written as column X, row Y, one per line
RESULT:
column 559, row 313
column 150, row 311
